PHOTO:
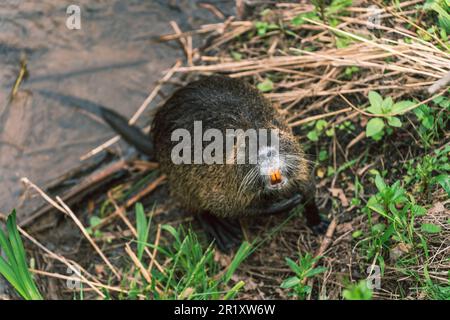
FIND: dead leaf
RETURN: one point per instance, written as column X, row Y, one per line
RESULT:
column 399, row 250
column 250, row 285
column 437, row 208
column 344, row 227
column 321, row 172
column 99, row 269
column 91, row 206
column 223, row 259
column 339, row 193
column 186, row 293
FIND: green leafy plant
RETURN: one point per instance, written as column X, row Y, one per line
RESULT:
column 300, row 19
column 94, row 221
column 344, row 42
column 331, row 171
column 397, row 231
column 319, row 128
column 359, row 291
column 14, row 268
column 386, row 198
column 304, row 269
column 350, row 71
column 428, row 171
column 399, row 226
column 326, row 12
column 323, row 155
column 263, row 27
column 237, row 56
column 432, row 123
column 430, row 228
column 442, row 8
column 346, row 126
column 426, row 128
column 336, row 8
column 387, row 110
column 265, row 86
column 392, row 204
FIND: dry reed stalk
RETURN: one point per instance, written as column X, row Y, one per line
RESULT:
column 140, row 267
column 155, row 249
column 152, row 186
column 94, row 286
column 121, row 213
column 320, row 116
column 88, row 237
column 66, row 210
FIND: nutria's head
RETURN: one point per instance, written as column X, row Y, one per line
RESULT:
column 273, row 168
column 278, row 168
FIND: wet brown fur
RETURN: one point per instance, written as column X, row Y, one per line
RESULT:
column 222, row 103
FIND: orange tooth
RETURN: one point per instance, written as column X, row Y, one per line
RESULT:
column 278, row 175
column 275, row 177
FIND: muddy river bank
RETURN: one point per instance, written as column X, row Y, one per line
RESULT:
column 111, row 60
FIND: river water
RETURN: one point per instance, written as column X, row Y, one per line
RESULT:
column 111, row 60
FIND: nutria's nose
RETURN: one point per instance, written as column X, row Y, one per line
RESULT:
column 275, row 177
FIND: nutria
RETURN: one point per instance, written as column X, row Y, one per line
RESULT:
column 220, row 193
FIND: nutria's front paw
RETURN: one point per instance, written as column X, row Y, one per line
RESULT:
column 321, row 227
column 226, row 233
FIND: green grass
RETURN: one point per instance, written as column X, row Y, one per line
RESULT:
column 191, row 271
column 14, row 268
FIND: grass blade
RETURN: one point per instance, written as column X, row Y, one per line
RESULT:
column 16, row 271
column 142, row 230
column 241, row 254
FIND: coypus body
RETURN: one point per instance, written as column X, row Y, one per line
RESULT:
column 219, row 192
column 224, row 103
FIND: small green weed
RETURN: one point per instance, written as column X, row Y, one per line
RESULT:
column 387, row 110
column 428, row 171
column 304, row 269
column 359, row 291
column 14, row 268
